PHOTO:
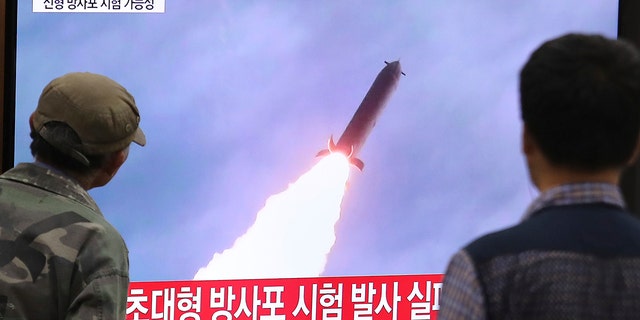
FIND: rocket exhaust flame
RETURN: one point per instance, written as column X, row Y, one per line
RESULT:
column 293, row 233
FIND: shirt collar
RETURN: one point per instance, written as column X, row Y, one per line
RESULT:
column 54, row 170
column 577, row 193
column 45, row 177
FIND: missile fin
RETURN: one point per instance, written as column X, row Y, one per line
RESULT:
column 330, row 147
column 357, row 163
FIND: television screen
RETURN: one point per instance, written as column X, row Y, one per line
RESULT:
column 238, row 97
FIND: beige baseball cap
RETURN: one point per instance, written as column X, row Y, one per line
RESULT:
column 98, row 109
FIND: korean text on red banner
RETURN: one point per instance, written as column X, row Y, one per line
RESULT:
column 410, row 297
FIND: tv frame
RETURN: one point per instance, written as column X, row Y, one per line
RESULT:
column 8, row 37
column 629, row 29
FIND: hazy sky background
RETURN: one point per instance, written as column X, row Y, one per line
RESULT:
column 237, row 97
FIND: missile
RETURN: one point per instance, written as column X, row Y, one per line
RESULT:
column 364, row 119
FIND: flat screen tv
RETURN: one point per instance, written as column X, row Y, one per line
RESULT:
column 237, row 98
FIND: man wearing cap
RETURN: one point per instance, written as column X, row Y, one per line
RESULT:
column 59, row 257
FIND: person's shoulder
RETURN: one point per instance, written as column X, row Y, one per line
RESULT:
column 594, row 229
column 531, row 234
column 495, row 243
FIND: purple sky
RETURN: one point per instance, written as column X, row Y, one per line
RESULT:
column 237, row 97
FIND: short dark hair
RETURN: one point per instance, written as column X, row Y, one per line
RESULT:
column 580, row 100
column 63, row 159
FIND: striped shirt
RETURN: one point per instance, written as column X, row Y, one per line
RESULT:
column 575, row 255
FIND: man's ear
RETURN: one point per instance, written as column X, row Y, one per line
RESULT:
column 115, row 162
column 529, row 145
column 31, row 121
column 636, row 153
column 107, row 171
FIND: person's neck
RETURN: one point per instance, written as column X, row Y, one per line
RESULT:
column 556, row 176
column 85, row 181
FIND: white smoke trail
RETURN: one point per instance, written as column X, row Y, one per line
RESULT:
column 293, row 233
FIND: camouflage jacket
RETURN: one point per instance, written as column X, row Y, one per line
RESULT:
column 59, row 257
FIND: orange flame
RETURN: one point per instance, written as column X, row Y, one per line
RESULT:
column 293, row 233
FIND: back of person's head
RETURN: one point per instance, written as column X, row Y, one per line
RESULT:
column 580, row 100
column 81, row 119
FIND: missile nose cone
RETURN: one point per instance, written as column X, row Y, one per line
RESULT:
column 394, row 67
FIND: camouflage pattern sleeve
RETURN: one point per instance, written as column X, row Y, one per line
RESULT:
column 105, row 297
column 103, row 282
column 59, row 257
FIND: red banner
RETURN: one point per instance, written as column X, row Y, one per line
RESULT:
column 404, row 297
